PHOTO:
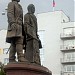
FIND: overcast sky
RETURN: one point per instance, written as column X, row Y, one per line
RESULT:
column 67, row 6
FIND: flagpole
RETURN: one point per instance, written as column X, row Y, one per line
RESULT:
column 53, row 9
column 53, row 5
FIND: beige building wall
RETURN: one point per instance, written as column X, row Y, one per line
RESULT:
column 1, row 51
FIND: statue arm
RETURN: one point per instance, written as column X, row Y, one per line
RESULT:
column 26, row 22
column 11, row 13
column 37, row 29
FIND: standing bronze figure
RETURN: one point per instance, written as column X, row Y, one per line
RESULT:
column 32, row 53
column 14, row 33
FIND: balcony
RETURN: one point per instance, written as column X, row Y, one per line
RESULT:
column 68, row 73
column 67, row 48
column 67, row 61
column 67, row 36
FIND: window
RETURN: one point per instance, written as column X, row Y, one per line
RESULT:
column 6, row 60
column 69, row 43
column 69, row 31
column 74, row 31
column 69, row 68
column 70, row 56
column 5, row 51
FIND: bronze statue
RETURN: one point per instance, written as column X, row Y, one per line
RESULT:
column 32, row 53
column 14, row 33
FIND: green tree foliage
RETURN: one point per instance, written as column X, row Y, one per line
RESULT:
column 2, row 69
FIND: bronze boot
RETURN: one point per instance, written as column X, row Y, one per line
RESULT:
column 19, row 49
column 12, row 53
column 21, row 58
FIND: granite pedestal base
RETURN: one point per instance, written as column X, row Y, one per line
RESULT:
column 26, row 69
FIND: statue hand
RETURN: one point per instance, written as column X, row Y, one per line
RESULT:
column 13, row 26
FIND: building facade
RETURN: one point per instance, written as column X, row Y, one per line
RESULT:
column 68, row 49
column 59, row 42
column 4, row 47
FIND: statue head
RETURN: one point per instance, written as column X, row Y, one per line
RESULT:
column 16, row 0
column 31, row 8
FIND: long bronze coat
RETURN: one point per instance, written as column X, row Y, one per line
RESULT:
column 32, row 53
column 15, row 21
column 30, row 25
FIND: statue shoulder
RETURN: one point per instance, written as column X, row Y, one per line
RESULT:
column 10, row 4
column 20, row 6
column 26, row 15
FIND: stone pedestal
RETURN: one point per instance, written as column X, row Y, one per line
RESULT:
column 25, row 69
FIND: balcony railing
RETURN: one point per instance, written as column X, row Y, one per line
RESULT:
column 67, row 61
column 67, row 48
column 67, row 36
column 68, row 73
